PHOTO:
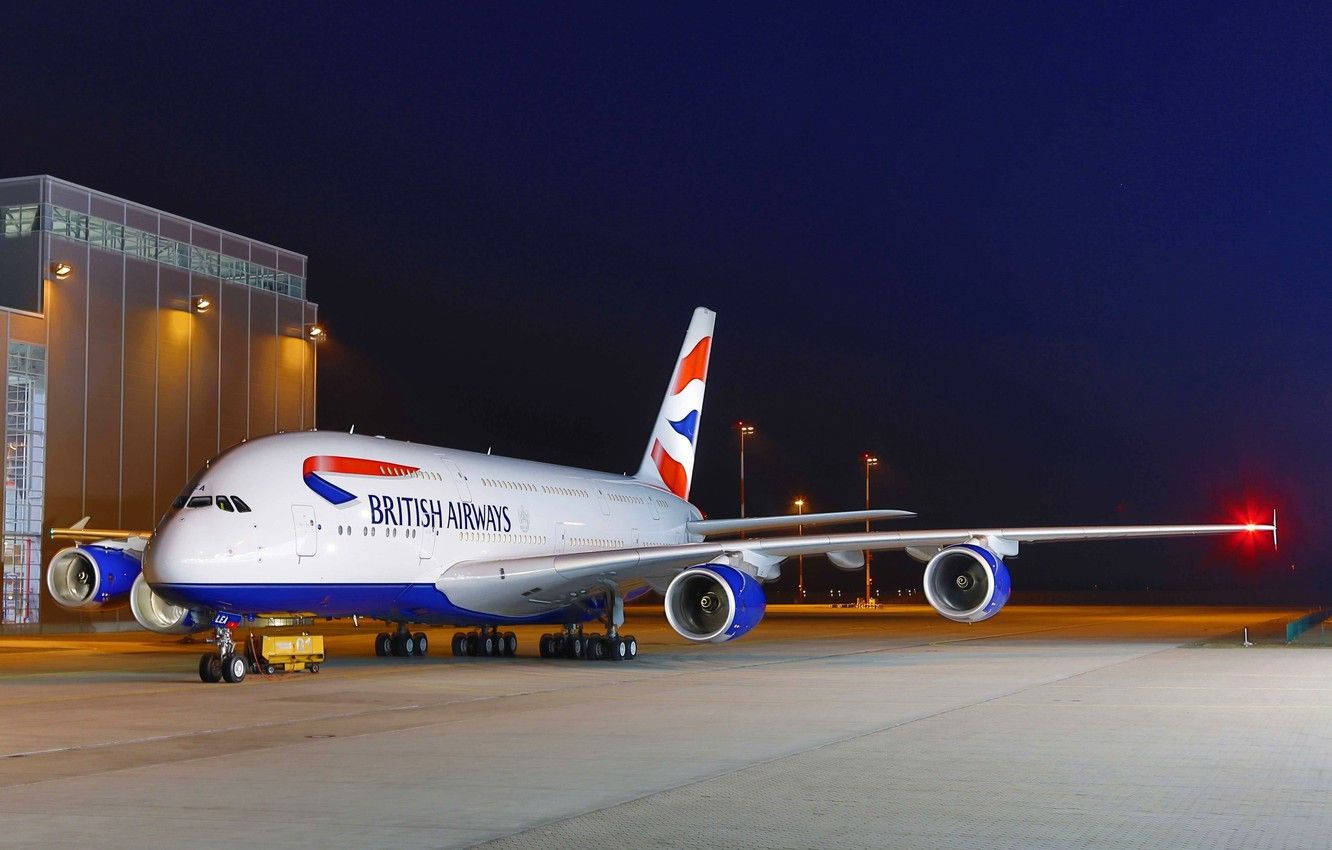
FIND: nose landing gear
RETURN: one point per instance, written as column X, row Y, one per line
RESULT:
column 226, row 664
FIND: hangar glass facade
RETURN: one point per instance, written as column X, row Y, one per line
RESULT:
column 25, row 481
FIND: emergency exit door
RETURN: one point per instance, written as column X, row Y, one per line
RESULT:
column 307, row 533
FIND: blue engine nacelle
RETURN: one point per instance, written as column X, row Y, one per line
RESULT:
column 714, row 602
column 967, row 583
column 98, row 575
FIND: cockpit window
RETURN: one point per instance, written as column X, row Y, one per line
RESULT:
column 200, row 502
column 224, row 503
column 189, row 488
column 240, row 506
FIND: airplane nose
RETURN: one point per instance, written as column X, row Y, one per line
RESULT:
column 166, row 559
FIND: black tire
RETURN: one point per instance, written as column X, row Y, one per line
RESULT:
column 619, row 649
column 473, row 644
column 210, row 668
column 510, row 644
column 545, row 646
column 487, row 644
column 596, row 648
column 234, row 667
column 269, row 669
column 459, row 645
column 632, row 644
column 384, row 645
column 577, row 646
column 314, row 667
column 422, row 644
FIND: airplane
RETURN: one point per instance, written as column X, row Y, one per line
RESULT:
column 331, row 524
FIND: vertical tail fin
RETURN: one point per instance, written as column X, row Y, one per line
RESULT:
column 669, row 459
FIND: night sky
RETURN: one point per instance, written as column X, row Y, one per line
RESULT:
column 1057, row 264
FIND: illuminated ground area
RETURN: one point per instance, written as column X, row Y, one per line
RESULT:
column 1043, row 727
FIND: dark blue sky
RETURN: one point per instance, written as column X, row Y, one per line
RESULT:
column 1055, row 264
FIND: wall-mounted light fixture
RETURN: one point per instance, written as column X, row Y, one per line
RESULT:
column 314, row 332
column 61, row 269
column 202, row 304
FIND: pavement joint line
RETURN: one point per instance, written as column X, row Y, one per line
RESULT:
column 823, row 746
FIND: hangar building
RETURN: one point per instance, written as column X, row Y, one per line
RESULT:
column 137, row 344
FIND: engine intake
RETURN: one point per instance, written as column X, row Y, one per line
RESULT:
column 714, row 603
column 158, row 615
column 93, row 576
column 967, row 583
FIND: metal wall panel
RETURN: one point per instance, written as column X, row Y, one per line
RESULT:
column 233, row 314
column 66, row 310
column 203, row 374
column 309, row 372
column 103, row 398
column 263, row 363
column 139, row 423
column 173, row 356
column 291, row 345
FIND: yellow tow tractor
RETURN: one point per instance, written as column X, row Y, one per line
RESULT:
column 285, row 653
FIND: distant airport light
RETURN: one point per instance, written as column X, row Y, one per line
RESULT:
column 314, row 332
column 61, row 270
column 202, row 304
column 745, row 430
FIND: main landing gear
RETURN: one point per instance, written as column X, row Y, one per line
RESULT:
column 402, row 643
column 572, row 643
column 487, row 641
column 226, row 664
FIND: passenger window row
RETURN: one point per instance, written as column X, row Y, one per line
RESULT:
column 597, row 542
column 628, row 500
column 369, row 531
column 500, row 537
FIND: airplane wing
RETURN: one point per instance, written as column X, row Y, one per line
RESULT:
column 554, row 578
column 711, row 527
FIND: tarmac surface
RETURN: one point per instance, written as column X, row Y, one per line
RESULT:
column 1044, row 727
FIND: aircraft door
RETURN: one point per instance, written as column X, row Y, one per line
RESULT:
column 459, row 481
column 428, row 536
column 307, row 532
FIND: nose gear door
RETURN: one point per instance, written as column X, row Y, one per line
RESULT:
column 307, row 533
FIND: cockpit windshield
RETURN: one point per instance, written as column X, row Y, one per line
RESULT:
column 190, row 488
column 240, row 506
column 225, row 504
column 199, row 502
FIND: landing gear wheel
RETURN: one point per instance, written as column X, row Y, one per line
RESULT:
column 234, row 668
column 619, row 649
column 384, row 644
column 596, row 648
column 487, row 644
column 510, row 644
column 422, row 643
column 631, row 644
column 545, row 646
column 210, row 668
column 473, row 644
column 459, row 645
column 576, row 646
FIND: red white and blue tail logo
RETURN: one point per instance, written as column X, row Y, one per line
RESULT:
column 669, row 460
column 316, row 467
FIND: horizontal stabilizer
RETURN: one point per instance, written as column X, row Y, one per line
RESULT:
column 710, row 527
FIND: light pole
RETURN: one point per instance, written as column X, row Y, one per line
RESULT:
column 871, row 461
column 800, row 574
column 745, row 431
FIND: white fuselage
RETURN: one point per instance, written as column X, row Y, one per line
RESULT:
column 340, row 524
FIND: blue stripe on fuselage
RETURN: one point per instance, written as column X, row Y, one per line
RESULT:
column 417, row 603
